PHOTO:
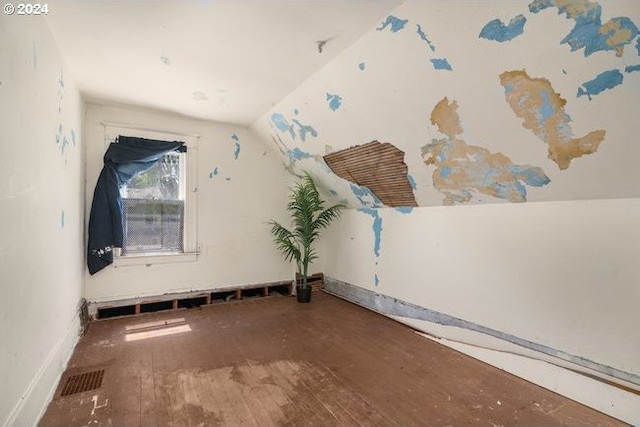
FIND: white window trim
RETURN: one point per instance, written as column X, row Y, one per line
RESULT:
column 190, row 254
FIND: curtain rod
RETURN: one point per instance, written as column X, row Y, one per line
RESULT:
column 121, row 125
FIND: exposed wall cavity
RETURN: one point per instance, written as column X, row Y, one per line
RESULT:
column 377, row 166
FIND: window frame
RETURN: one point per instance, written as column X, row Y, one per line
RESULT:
column 190, row 248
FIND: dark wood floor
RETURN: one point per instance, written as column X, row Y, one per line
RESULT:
column 272, row 361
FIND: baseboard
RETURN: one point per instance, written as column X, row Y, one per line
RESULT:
column 568, row 375
column 603, row 397
column 33, row 403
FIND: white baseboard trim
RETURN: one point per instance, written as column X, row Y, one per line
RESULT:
column 28, row 410
column 603, row 397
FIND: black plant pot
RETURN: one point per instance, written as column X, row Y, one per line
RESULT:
column 303, row 294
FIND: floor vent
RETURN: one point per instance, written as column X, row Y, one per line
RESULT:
column 83, row 382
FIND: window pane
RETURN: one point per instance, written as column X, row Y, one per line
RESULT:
column 153, row 226
column 161, row 181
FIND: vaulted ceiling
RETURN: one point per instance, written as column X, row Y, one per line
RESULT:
column 229, row 60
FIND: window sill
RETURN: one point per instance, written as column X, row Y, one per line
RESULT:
column 149, row 260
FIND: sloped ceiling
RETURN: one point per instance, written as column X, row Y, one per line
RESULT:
column 488, row 101
column 227, row 61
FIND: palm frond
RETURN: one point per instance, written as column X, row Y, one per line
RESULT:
column 308, row 219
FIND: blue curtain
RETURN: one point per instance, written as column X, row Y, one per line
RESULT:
column 124, row 159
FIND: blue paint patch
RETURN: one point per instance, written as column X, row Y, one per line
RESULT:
column 377, row 228
column 395, row 23
column 631, row 68
column 298, row 154
column 423, row 37
column 333, row 192
column 546, row 108
column 234, row 136
column 498, row 31
column 303, row 130
column 61, row 79
column 638, row 45
column 589, row 32
column 508, row 88
column 412, row 182
column 441, row 64
column 295, row 112
column 335, row 101
column 62, row 219
column 361, row 66
column 365, row 197
column 533, row 176
column 376, row 280
column 213, row 173
column 603, row 81
column 281, row 124
column 405, row 209
column 445, row 171
column 236, row 151
column 73, row 137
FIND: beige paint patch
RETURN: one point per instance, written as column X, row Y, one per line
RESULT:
column 463, row 169
column 542, row 111
column 446, row 119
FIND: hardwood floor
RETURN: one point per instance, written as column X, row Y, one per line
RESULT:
column 272, row 361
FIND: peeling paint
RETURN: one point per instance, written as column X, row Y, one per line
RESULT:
column 405, row 209
column 423, row 37
column 282, row 124
column 376, row 227
column 213, row 173
column 362, row 66
column 412, row 182
column 498, row 31
column 395, row 24
column 528, row 98
column 463, row 169
column 304, row 129
column 376, row 280
column 236, row 151
column 441, row 64
column 631, row 68
column 366, row 197
column 603, row 81
column 335, row 101
column 588, row 31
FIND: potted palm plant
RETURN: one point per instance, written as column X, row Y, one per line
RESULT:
column 308, row 218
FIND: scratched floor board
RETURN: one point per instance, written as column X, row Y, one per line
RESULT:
column 272, row 361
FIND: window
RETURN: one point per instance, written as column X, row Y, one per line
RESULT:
column 159, row 204
column 153, row 208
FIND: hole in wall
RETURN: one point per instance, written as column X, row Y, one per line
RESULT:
column 378, row 166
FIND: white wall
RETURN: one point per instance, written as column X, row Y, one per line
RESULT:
column 559, row 270
column 41, row 220
column 233, row 205
column 561, row 274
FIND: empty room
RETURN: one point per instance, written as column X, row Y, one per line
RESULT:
column 320, row 212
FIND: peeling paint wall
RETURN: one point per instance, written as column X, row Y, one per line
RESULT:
column 496, row 105
column 240, row 185
column 541, row 83
column 41, row 220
